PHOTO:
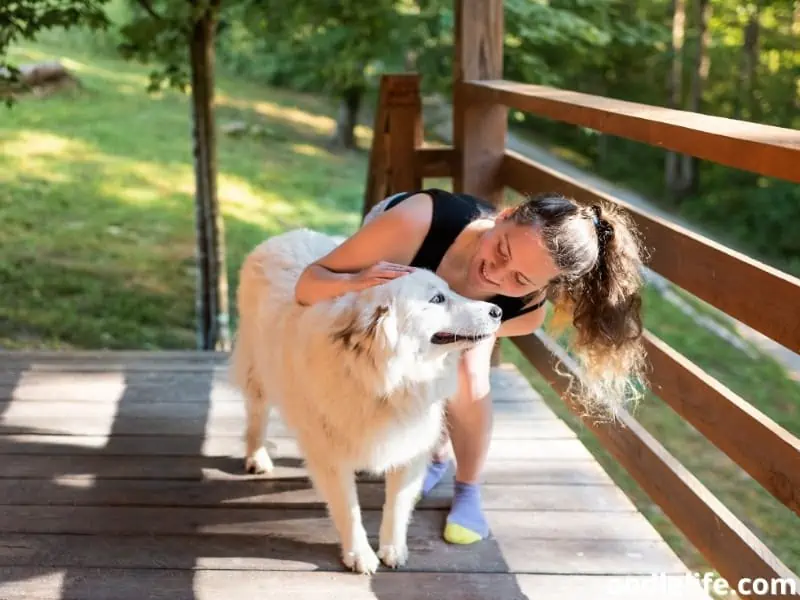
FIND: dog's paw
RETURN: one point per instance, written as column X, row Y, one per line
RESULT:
column 259, row 463
column 364, row 560
column 393, row 556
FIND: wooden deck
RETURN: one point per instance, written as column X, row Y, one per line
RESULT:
column 121, row 478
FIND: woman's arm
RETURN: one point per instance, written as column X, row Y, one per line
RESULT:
column 378, row 252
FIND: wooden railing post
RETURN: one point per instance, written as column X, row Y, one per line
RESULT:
column 479, row 128
column 393, row 165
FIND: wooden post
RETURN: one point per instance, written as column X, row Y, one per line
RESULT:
column 397, row 136
column 479, row 128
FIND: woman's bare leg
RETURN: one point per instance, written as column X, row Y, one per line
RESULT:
column 469, row 420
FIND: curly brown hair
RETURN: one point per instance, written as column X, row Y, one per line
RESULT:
column 597, row 249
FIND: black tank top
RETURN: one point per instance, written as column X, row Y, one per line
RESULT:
column 451, row 214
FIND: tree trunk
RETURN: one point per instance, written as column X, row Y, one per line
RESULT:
column 675, row 88
column 213, row 328
column 795, row 30
column 745, row 105
column 345, row 136
column 702, row 64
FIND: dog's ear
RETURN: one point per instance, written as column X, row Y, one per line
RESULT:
column 367, row 333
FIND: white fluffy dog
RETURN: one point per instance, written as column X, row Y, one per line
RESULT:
column 362, row 380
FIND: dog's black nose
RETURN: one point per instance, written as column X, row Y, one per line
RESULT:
column 496, row 312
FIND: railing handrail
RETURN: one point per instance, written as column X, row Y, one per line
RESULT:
column 764, row 149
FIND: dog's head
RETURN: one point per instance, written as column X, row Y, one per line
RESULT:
column 405, row 327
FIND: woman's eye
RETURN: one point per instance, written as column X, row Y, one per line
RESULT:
column 437, row 299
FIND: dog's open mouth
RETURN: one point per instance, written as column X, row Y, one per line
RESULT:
column 445, row 337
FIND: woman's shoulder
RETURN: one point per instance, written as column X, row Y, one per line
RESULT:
column 460, row 202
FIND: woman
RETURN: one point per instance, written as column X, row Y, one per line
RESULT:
column 585, row 260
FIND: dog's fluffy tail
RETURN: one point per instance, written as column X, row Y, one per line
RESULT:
column 247, row 299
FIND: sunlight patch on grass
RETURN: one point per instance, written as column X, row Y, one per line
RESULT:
column 307, row 150
column 27, row 144
column 116, row 75
column 363, row 135
column 320, row 124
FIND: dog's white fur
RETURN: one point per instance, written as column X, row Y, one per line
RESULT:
column 357, row 378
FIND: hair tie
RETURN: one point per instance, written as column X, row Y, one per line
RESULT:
column 602, row 227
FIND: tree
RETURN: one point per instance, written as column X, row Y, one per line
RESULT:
column 749, row 64
column 23, row 19
column 180, row 36
column 338, row 48
column 672, row 168
column 702, row 63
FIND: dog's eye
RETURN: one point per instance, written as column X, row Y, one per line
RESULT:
column 438, row 298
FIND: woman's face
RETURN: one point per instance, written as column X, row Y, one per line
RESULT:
column 511, row 260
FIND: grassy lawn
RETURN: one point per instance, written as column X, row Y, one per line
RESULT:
column 97, row 243
column 96, row 202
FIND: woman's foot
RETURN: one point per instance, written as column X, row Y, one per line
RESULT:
column 466, row 523
column 436, row 470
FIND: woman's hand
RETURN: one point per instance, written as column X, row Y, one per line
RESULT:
column 380, row 272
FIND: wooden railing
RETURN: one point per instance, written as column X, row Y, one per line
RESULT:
column 764, row 298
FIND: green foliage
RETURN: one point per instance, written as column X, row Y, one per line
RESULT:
column 157, row 35
column 561, row 42
column 317, row 44
column 96, row 202
column 25, row 19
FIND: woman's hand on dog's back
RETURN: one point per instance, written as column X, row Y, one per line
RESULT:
column 378, row 252
column 380, row 272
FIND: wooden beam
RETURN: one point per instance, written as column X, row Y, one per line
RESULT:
column 730, row 547
column 756, row 294
column 479, row 128
column 377, row 170
column 397, row 133
column 436, row 161
column 764, row 149
column 404, row 106
column 767, row 451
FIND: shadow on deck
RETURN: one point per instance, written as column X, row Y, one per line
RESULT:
column 121, row 478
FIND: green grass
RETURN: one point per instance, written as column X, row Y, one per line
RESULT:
column 97, row 235
column 96, row 201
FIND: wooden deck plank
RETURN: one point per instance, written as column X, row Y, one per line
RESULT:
column 75, row 491
column 194, row 468
column 308, row 524
column 142, row 452
column 216, row 426
column 287, row 553
column 24, row 583
column 210, row 387
column 284, row 447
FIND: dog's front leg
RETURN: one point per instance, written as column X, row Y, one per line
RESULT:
column 338, row 489
column 403, row 486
